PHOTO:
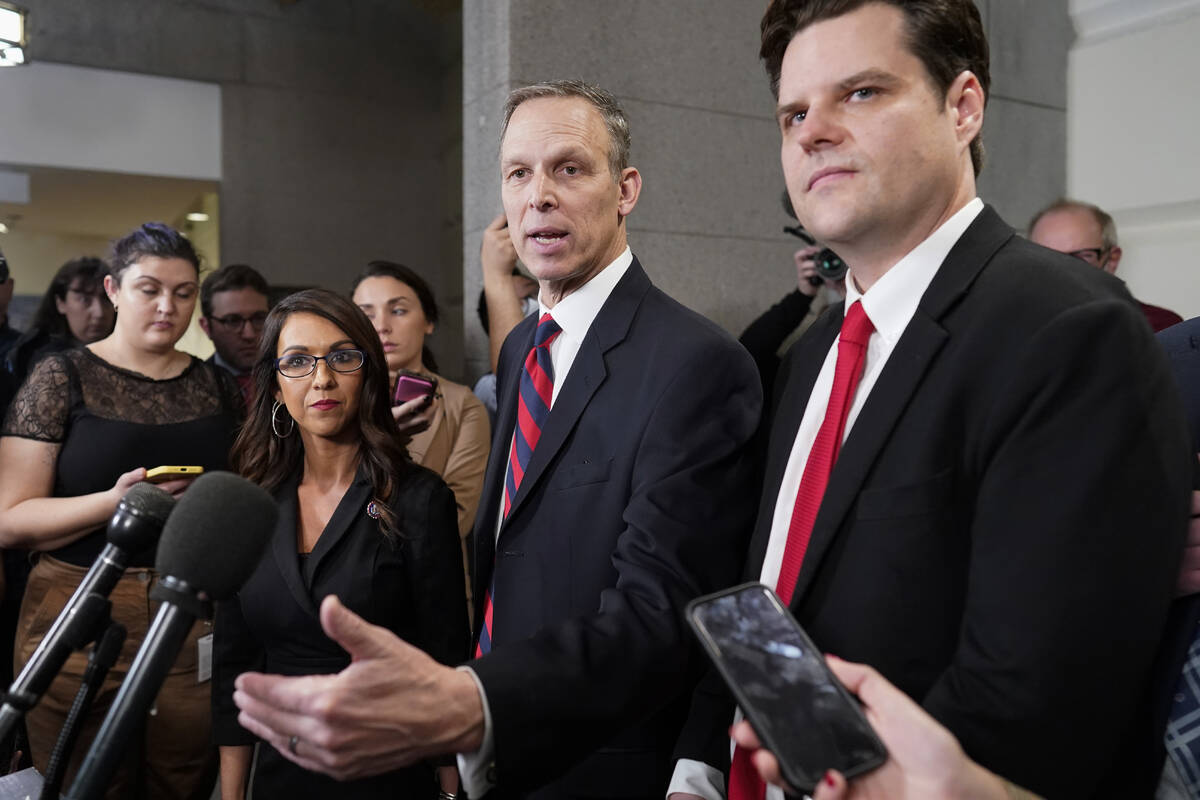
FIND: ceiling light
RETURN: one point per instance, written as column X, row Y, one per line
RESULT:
column 3, row 228
column 12, row 35
column 197, row 216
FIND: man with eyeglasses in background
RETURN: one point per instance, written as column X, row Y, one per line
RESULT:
column 233, row 309
column 1087, row 232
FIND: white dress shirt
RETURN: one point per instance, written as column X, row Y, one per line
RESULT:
column 889, row 304
column 574, row 314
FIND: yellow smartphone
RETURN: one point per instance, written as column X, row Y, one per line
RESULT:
column 161, row 474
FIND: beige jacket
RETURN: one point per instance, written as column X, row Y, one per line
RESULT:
column 456, row 446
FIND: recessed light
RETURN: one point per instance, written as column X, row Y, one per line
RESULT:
column 197, row 216
column 3, row 228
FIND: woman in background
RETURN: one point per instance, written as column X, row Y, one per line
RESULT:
column 402, row 308
column 356, row 519
column 83, row 429
column 74, row 311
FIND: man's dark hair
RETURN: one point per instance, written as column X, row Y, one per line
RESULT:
column 151, row 239
column 228, row 278
column 946, row 35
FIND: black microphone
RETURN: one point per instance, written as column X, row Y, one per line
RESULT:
column 209, row 547
column 134, row 527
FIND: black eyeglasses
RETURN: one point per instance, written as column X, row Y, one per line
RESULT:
column 299, row 365
column 235, row 322
column 1096, row 256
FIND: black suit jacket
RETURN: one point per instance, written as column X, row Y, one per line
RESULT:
column 1001, row 531
column 637, row 498
column 411, row 586
column 1182, row 345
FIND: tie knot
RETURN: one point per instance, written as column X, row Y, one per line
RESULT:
column 857, row 326
column 547, row 329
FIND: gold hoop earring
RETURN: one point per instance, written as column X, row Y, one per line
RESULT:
column 275, row 422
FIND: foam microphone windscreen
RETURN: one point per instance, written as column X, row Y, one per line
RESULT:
column 216, row 534
column 140, row 517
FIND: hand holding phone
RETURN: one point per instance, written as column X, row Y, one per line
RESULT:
column 799, row 709
column 410, row 386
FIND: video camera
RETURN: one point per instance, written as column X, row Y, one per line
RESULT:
column 829, row 264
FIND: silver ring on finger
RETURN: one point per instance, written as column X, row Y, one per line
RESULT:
column 292, row 742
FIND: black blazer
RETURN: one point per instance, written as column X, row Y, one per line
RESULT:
column 637, row 498
column 412, row 586
column 1001, row 531
column 1182, row 345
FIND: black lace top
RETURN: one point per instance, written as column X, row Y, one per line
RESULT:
column 108, row 421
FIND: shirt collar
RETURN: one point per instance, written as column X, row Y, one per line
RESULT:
column 892, row 300
column 225, row 365
column 575, row 312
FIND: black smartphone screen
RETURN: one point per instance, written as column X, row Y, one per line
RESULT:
column 798, row 708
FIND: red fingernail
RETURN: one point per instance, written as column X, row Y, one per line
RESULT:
column 829, row 781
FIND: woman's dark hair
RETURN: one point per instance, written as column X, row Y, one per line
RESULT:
column 407, row 276
column 151, row 239
column 268, row 460
column 81, row 274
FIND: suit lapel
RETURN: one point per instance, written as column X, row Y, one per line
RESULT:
column 283, row 545
column 350, row 510
column 484, row 534
column 588, row 371
column 916, row 350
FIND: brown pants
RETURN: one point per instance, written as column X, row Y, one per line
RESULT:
column 175, row 757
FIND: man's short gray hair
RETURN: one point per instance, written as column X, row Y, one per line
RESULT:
column 1108, row 227
column 614, row 118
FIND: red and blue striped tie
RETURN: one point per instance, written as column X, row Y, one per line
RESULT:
column 533, row 406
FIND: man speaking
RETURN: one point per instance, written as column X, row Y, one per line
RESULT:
column 978, row 470
column 618, row 488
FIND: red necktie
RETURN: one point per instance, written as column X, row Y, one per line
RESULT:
column 533, row 406
column 744, row 783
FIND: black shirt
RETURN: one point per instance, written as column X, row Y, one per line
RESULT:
column 110, row 420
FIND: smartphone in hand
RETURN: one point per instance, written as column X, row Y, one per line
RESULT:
column 164, row 474
column 410, row 386
column 800, row 710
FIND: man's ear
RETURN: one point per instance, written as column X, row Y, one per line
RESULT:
column 1114, row 258
column 630, row 186
column 204, row 326
column 965, row 101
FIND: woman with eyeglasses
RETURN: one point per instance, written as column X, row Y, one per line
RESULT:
column 356, row 519
column 83, row 429
column 74, row 311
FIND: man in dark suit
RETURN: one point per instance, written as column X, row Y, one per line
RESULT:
column 1177, row 698
column 977, row 479
column 1089, row 233
column 619, row 487
column 234, row 302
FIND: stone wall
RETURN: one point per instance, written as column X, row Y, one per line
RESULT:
column 708, row 226
column 340, row 120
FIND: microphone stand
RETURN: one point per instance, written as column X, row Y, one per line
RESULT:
column 104, row 654
column 77, row 630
